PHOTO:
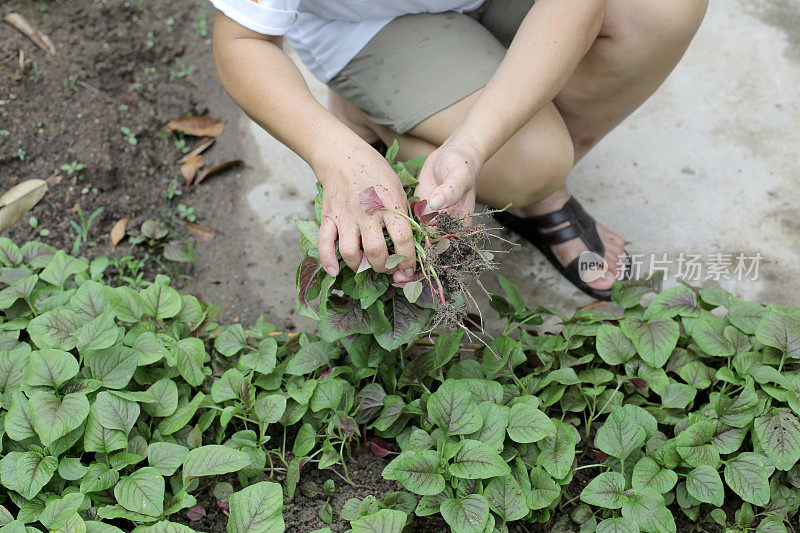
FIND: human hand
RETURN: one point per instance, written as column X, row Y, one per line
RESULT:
column 449, row 178
column 361, row 234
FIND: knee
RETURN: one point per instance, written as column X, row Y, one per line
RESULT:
column 668, row 24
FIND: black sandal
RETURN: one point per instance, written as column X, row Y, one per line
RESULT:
column 581, row 224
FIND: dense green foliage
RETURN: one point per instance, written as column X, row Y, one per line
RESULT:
column 117, row 401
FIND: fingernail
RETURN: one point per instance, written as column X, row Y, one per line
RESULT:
column 330, row 270
column 436, row 202
column 409, row 272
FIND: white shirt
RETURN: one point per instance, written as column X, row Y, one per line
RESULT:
column 327, row 34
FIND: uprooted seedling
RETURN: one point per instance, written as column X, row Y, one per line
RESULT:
column 450, row 255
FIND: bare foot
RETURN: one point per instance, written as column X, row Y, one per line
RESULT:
column 352, row 117
column 569, row 250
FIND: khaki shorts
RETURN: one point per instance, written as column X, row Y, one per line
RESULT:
column 418, row 65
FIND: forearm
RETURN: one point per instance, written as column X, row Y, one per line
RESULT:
column 553, row 38
column 267, row 85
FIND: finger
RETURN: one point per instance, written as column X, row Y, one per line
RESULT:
column 326, row 242
column 350, row 245
column 452, row 189
column 403, row 239
column 427, row 183
column 374, row 246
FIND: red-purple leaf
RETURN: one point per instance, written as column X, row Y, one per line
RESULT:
column 370, row 201
column 639, row 383
column 325, row 374
column 419, row 211
column 307, row 275
column 195, row 513
column 380, row 448
column 223, row 505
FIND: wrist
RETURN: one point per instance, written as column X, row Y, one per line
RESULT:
column 335, row 144
column 469, row 145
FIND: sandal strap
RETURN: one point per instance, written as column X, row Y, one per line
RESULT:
column 556, row 237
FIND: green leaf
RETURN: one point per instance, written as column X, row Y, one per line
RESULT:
column 675, row 301
column 466, row 515
column 54, row 418
column 27, row 472
column 620, row 434
column 418, row 471
column 127, row 304
column 163, row 527
column 231, row 341
column 475, row 460
column 257, row 509
column 771, row 524
column 445, row 347
column 493, row 428
column 606, row 490
column 528, row 424
column 304, row 441
column 182, row 415
column 328, row 394
column 451, row 407
column 778, row 432
column 648, row 475
column 230, row 386
column 392, row 409
column 262, row 359
column 97, row 334
column 747, row 474
column 18, row 422
column 99, row 439
column 649, row 512
column 71, row 469
column 10, row 254
column 654, row 340
column 694, row 444
column 98, row 478
column 384, row 521
column 61, row 267
column 141, row 492
column 113, row 366
column 704, row 484
column 677, row 395
column 51, row 368
column 484, row 390
column 780, row 331
column 13, row 369
column 617, row 525
column 311, row 357
column 165, row 392
column 557, row 453
column 166, row 457
column 269, row 408
column 54, row 329
column 506, row 498
column 738, row 412
column 613, row 346
column 58, row 511
column 412, row 290
column 191, row 355
column 544, row 490
column 115, row 413
column 160, row 301
column 213, row 460
column 745, row 315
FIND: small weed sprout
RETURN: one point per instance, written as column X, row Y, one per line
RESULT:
column 82, row 228
column 74, row 171
column 129, row 136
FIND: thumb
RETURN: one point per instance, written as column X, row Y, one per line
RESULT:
column 453, row 188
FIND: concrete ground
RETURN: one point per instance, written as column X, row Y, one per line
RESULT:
column 708, row 167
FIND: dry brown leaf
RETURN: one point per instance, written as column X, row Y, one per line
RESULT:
column 197, row 125
column 119, row 229
column 190, row 168
column 202, row 233
column 39, row 39
column 19, row 199
column 198, row 148
column 219, row 168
